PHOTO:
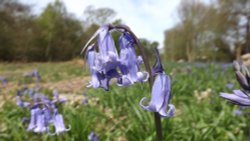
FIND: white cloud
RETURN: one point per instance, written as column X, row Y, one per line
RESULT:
column 147, row 18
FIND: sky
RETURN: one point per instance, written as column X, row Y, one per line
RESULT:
column 147, row 18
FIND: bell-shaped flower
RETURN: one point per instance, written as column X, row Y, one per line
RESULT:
column 129, row 63
column 33, row 117
column 41, row 125
column 238, row 97
column 160, row 97
column 99, row 79
column 59, row 124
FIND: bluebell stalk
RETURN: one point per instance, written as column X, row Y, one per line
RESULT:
column 240, row 97
column 107, row 63
column 43, row 111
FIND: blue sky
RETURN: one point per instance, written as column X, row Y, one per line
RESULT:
column 147, row 18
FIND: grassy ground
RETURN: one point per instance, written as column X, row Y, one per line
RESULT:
column 116, row 116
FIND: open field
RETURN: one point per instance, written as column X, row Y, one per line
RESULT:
column 115, row 115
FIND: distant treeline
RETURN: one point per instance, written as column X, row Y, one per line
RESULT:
column 53, row 35
column 216, row 30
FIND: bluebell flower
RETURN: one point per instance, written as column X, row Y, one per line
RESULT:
column 33, row 118
column 129, row 63
column 93, row 137
column 58, row 123
column 41, row 125
column 160, row 97
column 161, row 92
column 3, row 80
column 230, row 85
column 34, row 73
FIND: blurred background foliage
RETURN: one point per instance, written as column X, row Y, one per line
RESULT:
column 215, row 31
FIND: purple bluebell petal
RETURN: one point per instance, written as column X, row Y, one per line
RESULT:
column 105, row 42
column 242, row 80
column 240, row 93
column 157, row 67
column 124, row 81
column 55, row 93
column 142, row 76
column 236, row 99
column 171, row 111
column 139, row 61
column 47, row 115
column 236, row 66
column 101, row 29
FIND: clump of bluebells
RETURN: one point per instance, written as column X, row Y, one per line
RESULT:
column 106, row 63
column 43, row 111
column 242, row 96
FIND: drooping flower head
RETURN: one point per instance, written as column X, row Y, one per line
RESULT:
column 107, row 63
column 161, row 92
column 240, row 97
